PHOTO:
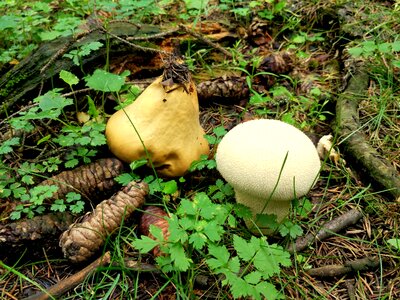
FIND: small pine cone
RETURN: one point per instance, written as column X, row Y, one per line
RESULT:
column 277, row 63
column 84, row 239
column 258, row 32
column 87, row 179
column 154, row 215
column 223, row 89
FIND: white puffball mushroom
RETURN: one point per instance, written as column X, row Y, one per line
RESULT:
column 268, row 163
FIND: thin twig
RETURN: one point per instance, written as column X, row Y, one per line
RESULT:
column 206, row 40
column 27, row 107
column 57, row 290
column 349, row 218
column 351, row 290
column 77, row 92
column 152, row 36
column 65, row 48
column 146, row 49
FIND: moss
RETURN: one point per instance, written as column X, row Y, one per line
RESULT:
column 10, row 83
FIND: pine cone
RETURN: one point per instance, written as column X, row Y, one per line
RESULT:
column 82, row 240
column 258, row 32
column 87, row 179
column 223, row 90
column 277, row 63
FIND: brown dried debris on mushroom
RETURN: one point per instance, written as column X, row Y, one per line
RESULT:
column 82, row 240
column 154, row 215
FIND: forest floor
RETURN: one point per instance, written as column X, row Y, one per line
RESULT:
column 257, row 59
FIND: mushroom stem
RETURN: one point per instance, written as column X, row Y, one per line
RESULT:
column 261, row 205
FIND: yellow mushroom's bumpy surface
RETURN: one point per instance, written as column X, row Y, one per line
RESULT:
column 267, row 160
column 167, row 121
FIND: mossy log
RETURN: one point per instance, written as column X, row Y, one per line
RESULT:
column 33, row 234
column 361, row 153
column 40, row 69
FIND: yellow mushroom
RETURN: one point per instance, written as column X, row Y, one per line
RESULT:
column 165, row 117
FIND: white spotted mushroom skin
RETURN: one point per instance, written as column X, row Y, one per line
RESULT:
column 268, row 163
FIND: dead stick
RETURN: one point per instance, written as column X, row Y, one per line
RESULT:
column 351, row 289
column 349, row 266
column 69, row 283
column 349, row 218
column 145, row 49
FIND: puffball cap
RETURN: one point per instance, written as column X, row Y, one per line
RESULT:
column 258, row 156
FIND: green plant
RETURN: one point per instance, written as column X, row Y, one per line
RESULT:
column 198, row 230
column 395, row 243
column 77, row 54
column 193, row 8
column 268, row 9
column 78, row 142
column 26, row 25
column 303, row 37
column 48, row 106
column 33, row 202
column 205, row 161
column 372, row 48
column 85, row 138
column 276, row 8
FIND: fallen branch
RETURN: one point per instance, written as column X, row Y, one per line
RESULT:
column 59, row 289
column 349, row 266
column 38, row 228
column 349, row 218
column 354, row 141
column 67, row 284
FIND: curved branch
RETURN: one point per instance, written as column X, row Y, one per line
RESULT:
column 354, row 141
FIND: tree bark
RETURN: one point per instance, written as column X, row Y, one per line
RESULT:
column 34, row 234
column 24, row 82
